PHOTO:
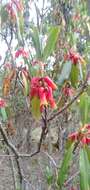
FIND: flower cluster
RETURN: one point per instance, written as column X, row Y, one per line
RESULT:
column 74, row 57
column 2, row 103
column 21, row 52
column 42, row 87
column 14, row 4
column 83, row 135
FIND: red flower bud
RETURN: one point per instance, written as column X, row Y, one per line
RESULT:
column 22, row 52
column 2, row 103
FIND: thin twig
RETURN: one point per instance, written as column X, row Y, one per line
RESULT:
column 69, row 103
column 51, row 158
column 14, row 150
column 71, row 178
column 13, row 169
column 8, row 143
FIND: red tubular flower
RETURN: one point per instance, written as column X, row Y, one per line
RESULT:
column 2, row 103
column 81, row 135
column 50, row 98
column 42, row 87
column 42, row 96
column 73, row 136
column 87, row 140
column 50, row 83
column 74, row 57
column 22, row 52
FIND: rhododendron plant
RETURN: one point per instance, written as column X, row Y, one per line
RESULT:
column 40, row 53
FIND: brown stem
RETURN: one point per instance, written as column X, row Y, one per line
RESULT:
column 14, row 150
column 43, row 133
column 69, row 103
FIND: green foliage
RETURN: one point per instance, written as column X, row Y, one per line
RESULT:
column 74, row 75
column 35, row 107
column 3, row 14
column 65, row 72
column 21, row 23
column 84, row 170
column 49, row 175
column 51, row 42
column 36, row 41
column 4, row 114
column 62, row 173
column 84, row 106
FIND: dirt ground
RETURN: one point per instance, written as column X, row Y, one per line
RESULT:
column 26, row 139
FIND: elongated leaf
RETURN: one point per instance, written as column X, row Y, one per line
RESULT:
column 74, row 75
column 49, row 175
column 3, row 15
column 65, row 72
column 4, row 114
column 35, row 107
column 26, row 84
column 64, row 167
column 51, row 42
column 36, row 42
column 21, row 23
column 84, row 170
column 85, row 108
column 88, row 151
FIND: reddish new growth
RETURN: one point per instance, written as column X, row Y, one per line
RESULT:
column 83, row 135
column 42, row 87
column 21, row 52
column 74, row 57
column 7, row 65
column 67, row 90
column 14, row 4
column 2, row 103
column 11, row 11
column 18, row 4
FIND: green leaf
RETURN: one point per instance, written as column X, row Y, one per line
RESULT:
column 8, row 111
column 3, row 14
column 26, row 85
column 65, row 72
column 84, row 106
column 69, row 142
column 88, row 151
column 51, row 42
column 49, row 175
column 35, row 107
column 36, row 41
column 65, row 166
column 21, row 23
column 84, row 170
column 4, row 114
column 74, row 75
